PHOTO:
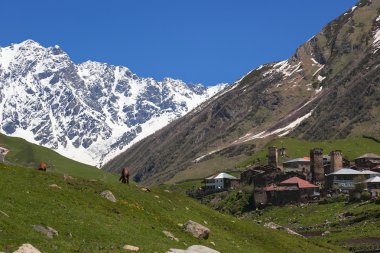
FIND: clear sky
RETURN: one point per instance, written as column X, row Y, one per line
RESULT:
column 198, row 41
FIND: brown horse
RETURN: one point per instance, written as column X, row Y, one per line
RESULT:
column 43, row 166
column 124, row 178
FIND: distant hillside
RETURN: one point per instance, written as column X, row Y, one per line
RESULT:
column 87, row 222
column 329, row 89
column 25, row 154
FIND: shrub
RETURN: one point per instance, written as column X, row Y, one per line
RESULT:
column 365, row 196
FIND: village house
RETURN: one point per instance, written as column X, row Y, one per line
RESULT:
column 343, row 179
column 300, row 165
column 258, row 175
column 221, row 181
column 291, row 190
column 373, row 186
column 3, row 153
column 367, row 161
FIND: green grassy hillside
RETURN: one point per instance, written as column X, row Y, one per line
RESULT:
column 86, row 222
column 351, row 225
column 29, row 155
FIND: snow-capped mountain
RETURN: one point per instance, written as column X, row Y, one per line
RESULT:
column 89, row 112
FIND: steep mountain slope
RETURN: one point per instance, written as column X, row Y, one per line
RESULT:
column 88, row 112
column 328, row 88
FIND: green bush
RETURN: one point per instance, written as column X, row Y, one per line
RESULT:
column 365, row 196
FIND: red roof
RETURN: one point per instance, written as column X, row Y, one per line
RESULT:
column 300, row 182
column 280, row 188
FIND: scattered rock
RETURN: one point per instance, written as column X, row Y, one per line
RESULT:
column 326, row 233
column 93, row 180
column 156, row 196
column 272, row 225
column 55, row 186
column 196, row 229
column 108, row 195
column 167, row 191
column 145, row 189
column 194, row 249
column 131, row 248
column 170, row 236
column 27, row 248
column 48, row 231
column 67, row 178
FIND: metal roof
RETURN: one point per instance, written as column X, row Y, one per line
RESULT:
column 373, row 180
column 369, row 155
column 222, row 175
column 349, row 171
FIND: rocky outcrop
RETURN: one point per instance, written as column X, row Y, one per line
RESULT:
column 48, row 231
column 131, row 248
column 196, row 229
column 27, row 248
column 194, row 249
column 108, row 195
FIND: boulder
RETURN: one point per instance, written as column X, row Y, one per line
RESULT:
column 194, row 249
column 131, row 248
column 326, row 233
column 48, row 231
column 27, row 248
column 108, row 195
column 196, row 229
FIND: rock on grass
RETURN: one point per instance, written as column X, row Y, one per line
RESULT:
column 27, row 248
column 196, row 229
column 108, row 195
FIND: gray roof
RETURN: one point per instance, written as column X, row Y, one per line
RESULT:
column 373, row 180
column 222, row 175
column 349, row 171
column 369, row 155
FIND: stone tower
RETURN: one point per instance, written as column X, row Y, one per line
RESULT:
column 336, row 160
column 316, row 166
column 272, row 157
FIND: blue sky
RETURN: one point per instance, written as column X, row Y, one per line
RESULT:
column 198, row 41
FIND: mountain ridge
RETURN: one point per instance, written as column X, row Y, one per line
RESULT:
column 88, row 111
